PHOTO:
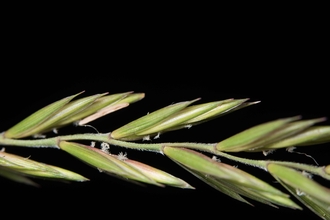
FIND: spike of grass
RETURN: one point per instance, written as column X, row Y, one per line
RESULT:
column 149, row 120
column 321, row 209
column 91, row 156
column 28, row 167
column 225, row 177
column 201, row 163
column 227, row 106
column 300, row 182
column 223, row 107
column 159, row 175
column 23, row 128
column 127, row 168
column 311, row 136
column 180, row 117
column 98, row 104
column 287, row 132
column 65, row 112
column 249, row 136
column 218, row 185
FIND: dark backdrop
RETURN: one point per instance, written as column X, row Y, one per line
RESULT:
column 287, row 74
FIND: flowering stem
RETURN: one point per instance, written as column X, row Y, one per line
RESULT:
column 157, row 147
column 105, row 137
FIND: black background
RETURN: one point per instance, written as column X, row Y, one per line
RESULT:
column 284, row 68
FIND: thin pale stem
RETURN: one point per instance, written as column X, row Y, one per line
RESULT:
column 53, row 142
column 263, row 164
column 157, row 147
